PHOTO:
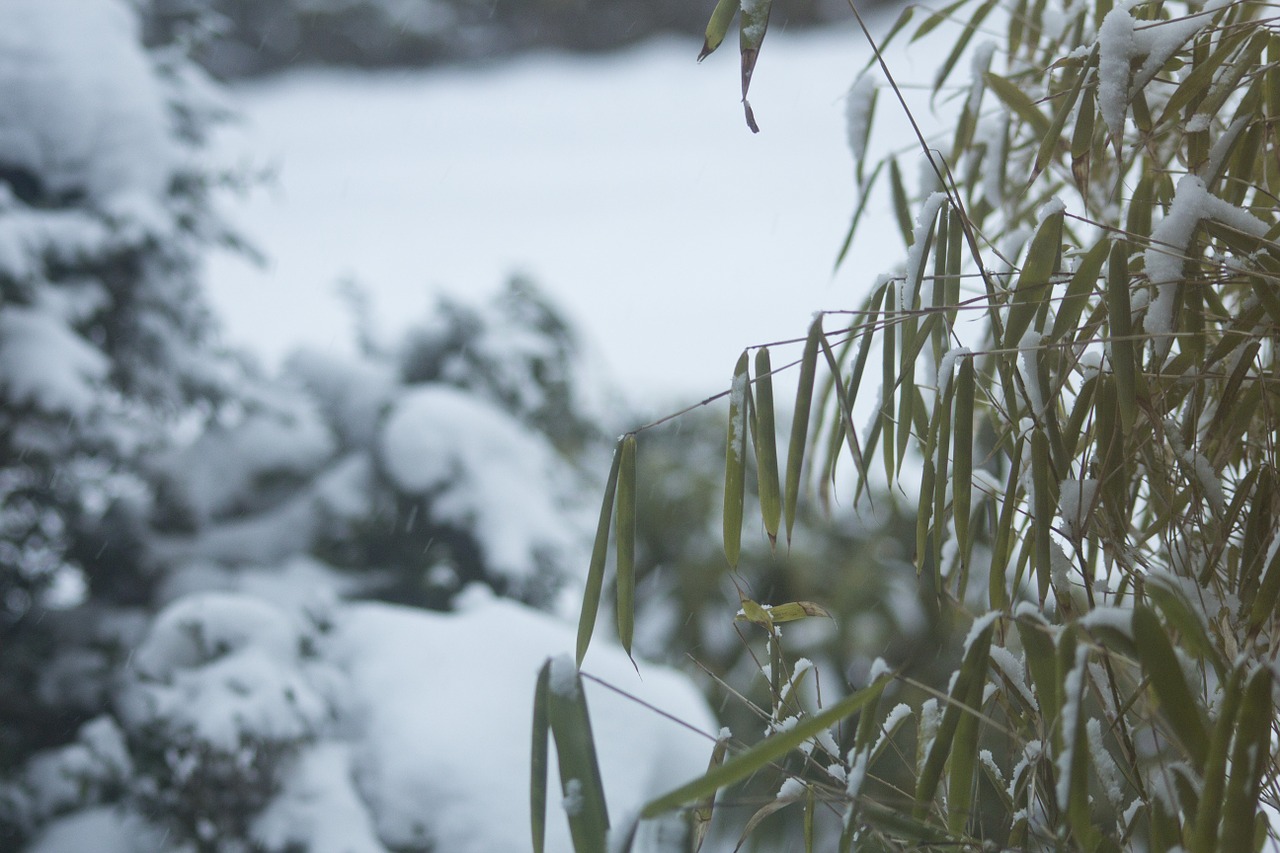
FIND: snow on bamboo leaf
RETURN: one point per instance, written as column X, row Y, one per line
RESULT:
column 599, row 552
column 626, row 541
column 580, row 781
column 735, row 462
column 753, row 24
column 538, row 760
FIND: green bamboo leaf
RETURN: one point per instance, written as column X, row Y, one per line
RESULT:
column 1079, row 815
column 1191, row 89
column 930, row 23
column 1051, row 142
column 1180, row 616
column 888, row 385
column 1043, row 481
column 1018, row 101
column 766, row 752
column 962, row 779
column 765, row 436
column 864, row 196
column 1265, row 602
column 1204, row 838
column 575, row 748
column 1177, row 704
column 718, row 26
column 899, row 24
column 1082, row 141
column 1257, row 533
column 1042, row 665
column 735, row 465
column 810, row 805
column 1083, row 282
column 961, row 43
column 1250, row 757
column 1035, row 281
column 625, row 541
column 1002, row 549
column 969, row 681
column 901, row 207
column 800, row 422
column 599, row 552
column 538, row 762
column 752, row 25
column 962, row 463
column 1124, row 354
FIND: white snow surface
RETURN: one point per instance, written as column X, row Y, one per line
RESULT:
column 79, row 103
column 45, row 364
column 443, row 719
column 481, row 470
column 564, row 168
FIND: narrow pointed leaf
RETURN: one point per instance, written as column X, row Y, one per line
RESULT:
column 753, row 24
column 769, row 750
column 1034, row 285
column 1250, row 757
column 538, row 763
column 766, row 444
column 704, row 810
column 1177, row 704
column 575, row 748
column 800, row 423
column 735, row 462
column 599, row 553
column 962, row 457
column 718, row 26
column 626, row 541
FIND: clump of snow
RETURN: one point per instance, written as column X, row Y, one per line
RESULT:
column 915, row 254
column 791, row 789
column 1170, row 243
column 104, row 829
column 1075, row 503
column 352, row 393
column 1028, row 355
column 572, row 801
column 45, row 364
column 1118, row 619
column 563, row 679
column 979, row 625
column 946, row 367
column 1116, row 49
column 80, row 106
column 1014, row 673
column 737, row 425
column 482, row 471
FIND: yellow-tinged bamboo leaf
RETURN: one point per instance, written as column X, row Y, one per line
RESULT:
column 769, row 808
column 901, row 206
column 766, row 444
column 755, row 613
column 1250, row 757
column 1082, row 141
column 599, row 552
column 800, row 423
column 793, row 610
column 1177, row 704
column 1035, row 281
column 538, row 761
column 704, row 809
column 575, row 748
column 735, row 462
column 766, row 752
column 863, row 197
column 962, row 457
column 1051, row 143
column 625, row 541
column 718, row 26
column 845, row 413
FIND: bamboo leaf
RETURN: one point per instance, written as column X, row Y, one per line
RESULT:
column 1018, row 101
column 769, row 750
column 735, row 465
column 863, row 197
column 960, row 44
column 766, row 445
column 1205, row 828
column 962, row 458
column 1250, row 757
column 1043, row 667
column 625, row 541
column 599, row 552
column 1034, row 285
column 718, row 27
column 970, row 678
column 753, row 24
column 800, row 423
column 575, row 747
column 704, row 809
column 1177, row 704
column 1042, row 522
column 1082, row 285
column 538, row 761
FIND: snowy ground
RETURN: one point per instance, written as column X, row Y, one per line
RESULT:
column 627, row 186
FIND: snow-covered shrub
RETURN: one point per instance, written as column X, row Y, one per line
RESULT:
column 104, row 340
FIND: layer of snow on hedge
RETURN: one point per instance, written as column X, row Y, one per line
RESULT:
column 482, row 470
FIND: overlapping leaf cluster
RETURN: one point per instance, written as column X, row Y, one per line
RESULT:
column 1078, row 383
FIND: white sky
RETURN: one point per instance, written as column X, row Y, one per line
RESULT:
column 628, row 187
